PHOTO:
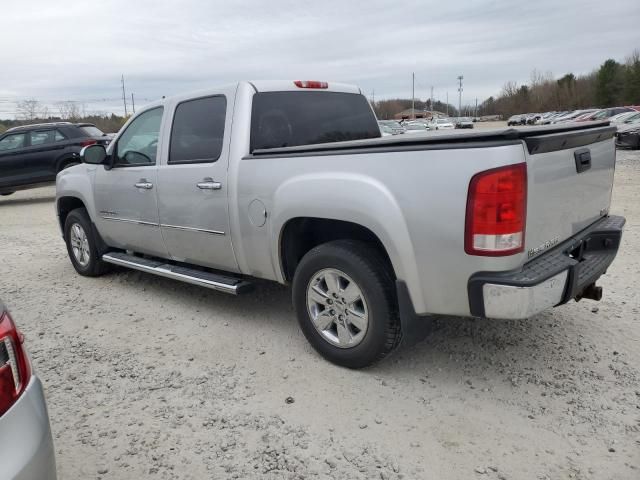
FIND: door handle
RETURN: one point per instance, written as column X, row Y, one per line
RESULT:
column 209, row 184
column 144, row 183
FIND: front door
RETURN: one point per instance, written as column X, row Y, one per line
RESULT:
column 125, row 195
column 192, row 184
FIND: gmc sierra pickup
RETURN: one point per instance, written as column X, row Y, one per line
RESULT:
column 291, row 182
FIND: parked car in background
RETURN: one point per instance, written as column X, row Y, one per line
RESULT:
column 463, row 122
column 32, row 155
column 415, row 127
column 621, row 117
column 441, row 124
column 603, row 114
column 533, row 118
column 396, row 127
column 385, row 130
column 571, row 116
column 26, row 445
column 515, row 120
column 628, row 135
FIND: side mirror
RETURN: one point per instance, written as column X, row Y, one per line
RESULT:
column 93, row 154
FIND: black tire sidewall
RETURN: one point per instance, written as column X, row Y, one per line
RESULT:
column 81, row 217
column 377, row 297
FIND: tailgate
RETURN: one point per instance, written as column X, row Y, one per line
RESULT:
column 570, row 179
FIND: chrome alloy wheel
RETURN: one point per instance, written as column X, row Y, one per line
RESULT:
column 337, row 308
column 79, row 244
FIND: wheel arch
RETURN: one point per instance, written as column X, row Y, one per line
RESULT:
column 65, row 205
column 349, row 206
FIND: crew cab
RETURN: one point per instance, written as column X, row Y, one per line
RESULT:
column 292, row 182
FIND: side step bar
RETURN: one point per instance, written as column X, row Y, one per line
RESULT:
column 193, row 276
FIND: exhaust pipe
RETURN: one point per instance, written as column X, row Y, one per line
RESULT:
column 592, row 292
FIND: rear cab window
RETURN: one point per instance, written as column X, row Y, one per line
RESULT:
column 287, row 119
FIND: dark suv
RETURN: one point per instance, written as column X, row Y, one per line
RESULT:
column 32, row 155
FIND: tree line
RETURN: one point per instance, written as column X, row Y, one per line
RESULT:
column 33, row 111
column 612, row 84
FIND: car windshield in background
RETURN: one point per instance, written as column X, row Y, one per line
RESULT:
column 92, row 131
column 286, row 119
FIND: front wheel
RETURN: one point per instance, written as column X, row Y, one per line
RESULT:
column 344, row 297
column 81, row 244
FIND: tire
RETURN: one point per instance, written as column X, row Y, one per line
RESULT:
column 357, row 262
column 78, row 235
column 6, row 194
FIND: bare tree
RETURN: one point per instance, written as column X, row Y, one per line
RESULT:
column 69, row 110
column 29, row 109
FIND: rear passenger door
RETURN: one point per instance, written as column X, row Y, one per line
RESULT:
column 192, row 184
column 44, row 149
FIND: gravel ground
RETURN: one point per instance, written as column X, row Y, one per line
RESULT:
column 150, row 378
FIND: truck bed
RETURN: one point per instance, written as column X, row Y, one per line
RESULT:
column 538, row 140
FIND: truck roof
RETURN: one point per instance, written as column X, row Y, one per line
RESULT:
column 289, row 85
column 258, row 86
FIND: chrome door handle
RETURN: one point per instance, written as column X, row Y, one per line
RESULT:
column 143, row 183
column 209, row 184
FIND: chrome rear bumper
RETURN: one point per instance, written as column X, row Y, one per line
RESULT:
column 550, row 279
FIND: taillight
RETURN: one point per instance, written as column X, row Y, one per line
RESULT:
column 14, row 366
column 497, row 211
column 86, row 143
column 310, row 84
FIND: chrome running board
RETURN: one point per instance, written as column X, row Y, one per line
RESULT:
column 193, row 276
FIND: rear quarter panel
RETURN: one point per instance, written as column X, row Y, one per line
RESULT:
column 414, row 201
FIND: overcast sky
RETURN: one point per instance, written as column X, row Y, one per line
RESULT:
column 77, row 50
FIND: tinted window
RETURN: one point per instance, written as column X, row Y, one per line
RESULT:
column 285, row 119
column 92, row 131
column 198, row 130
column 59, row 137
column 139, row 142
column 11, row 142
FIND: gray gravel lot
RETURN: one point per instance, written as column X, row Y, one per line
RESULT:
column 149, row 378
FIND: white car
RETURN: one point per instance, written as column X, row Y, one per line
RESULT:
column 441, row 124
column 621, row 118
column 416, row 127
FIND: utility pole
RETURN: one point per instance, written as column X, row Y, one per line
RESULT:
column 460, row 78
column 413, row 95
column 476, row 114
column 124, row 97
column 133, row 104
column 431, row 102
column 447, row 104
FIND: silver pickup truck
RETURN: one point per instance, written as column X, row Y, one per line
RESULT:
column 291, row 182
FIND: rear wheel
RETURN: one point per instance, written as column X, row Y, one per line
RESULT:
column 344, row 297
column 81, row 244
